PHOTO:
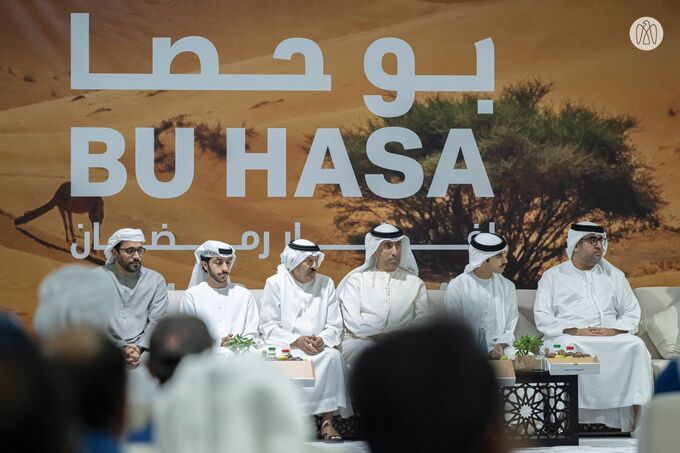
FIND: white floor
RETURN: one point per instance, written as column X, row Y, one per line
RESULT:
column 587, row 445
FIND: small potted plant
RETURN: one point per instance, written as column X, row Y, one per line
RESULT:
column 525, row 346
column 240, row 344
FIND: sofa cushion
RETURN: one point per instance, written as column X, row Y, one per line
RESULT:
column 653, row 300
column 658, row 366
column 663, row 329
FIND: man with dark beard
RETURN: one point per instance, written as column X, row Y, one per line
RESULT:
column 142, row 294
column 227, row 309
column 588, row 303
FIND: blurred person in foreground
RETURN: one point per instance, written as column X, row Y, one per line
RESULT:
column 175, row 337
column 428, row 389
column 73, row 296
column 32, row 413
column 215, row 406
column 91, row 370
column 669, row 379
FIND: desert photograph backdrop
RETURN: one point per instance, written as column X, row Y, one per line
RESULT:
column 585, row 126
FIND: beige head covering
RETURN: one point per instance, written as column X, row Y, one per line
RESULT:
column 73, row 296
column 237, row 406
column 124, row 234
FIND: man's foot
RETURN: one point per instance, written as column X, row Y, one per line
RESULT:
column 328, row 432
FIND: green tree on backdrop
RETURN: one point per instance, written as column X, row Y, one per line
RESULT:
column 548, row 166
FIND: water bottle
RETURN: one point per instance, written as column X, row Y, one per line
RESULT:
column 481, row 340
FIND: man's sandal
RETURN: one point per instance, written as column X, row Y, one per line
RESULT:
column 329, row 433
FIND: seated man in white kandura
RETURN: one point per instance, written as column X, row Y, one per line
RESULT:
column 300, row 311
column 587, row 302
column 382, row 295
column 227, row 309
column 485, row 299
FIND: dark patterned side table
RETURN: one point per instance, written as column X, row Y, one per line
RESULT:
column 541, row 409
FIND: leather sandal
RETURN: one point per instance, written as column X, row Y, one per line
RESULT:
column 328, row 432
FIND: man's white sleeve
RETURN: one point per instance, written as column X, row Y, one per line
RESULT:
column 270, row 321
column 332, row 332
column 627, row 307
column 544, row 313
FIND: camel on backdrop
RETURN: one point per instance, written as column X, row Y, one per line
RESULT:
column 68, row 205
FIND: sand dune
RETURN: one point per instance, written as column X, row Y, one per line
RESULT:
column 583, row 48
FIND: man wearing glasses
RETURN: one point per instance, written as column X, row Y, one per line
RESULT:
column 141, row 292
column 588, row 303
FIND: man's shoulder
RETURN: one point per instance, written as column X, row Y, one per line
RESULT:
column 557, row 269
column 410, row 276
column 505, row 281
column 241, row 290
column 358, row 276
column 610, row 270
column 458, row 280
column 193, row 290
column 151, row 274
column 104, row 269
column 273, row 280
column 324, row 280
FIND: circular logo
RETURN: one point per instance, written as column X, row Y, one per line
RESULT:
column 646, row 33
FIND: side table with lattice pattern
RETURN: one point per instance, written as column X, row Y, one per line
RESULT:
column 541, row 409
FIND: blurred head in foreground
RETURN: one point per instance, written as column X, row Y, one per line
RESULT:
column 92, row 372
column 174, row 338
column 73, row 296
column 215, row 406
column 31, row 416
column 428, row 389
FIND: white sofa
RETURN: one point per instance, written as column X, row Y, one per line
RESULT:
column 652, row 300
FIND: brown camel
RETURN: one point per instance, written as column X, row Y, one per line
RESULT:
column 67, row 206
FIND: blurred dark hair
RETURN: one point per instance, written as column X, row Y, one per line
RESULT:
column 173, row 338
column 32, row 416
column 92, row 370
column 428, row 389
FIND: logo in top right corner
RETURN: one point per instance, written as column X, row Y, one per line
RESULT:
column 646, row 33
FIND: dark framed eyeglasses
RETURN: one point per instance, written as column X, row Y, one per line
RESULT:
column 131, row 251
column 593, row 240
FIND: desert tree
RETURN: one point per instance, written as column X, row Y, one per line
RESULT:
column 548, row 166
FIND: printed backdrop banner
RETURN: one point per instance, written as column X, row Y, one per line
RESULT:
column 257, row 122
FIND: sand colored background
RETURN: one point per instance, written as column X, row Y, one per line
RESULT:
column 580, row 46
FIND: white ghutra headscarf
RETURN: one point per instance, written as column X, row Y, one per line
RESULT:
column 375, row 237
column 299, row 250
column 210, row 249
column 582, row 229
column 482, row 247
column 122, row 235
column 291, row 291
